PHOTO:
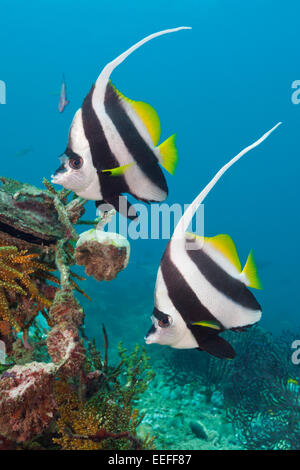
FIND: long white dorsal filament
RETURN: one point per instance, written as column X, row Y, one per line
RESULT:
column 106, row 72
column 189, row 213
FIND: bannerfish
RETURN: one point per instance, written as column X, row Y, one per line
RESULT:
column 63, row 102
column 113, row 146
column 201, row 289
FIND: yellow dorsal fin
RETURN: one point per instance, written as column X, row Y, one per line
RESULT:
column 169, row 154
column 146, row 113
column 150, row 119
column 224, row 244
column 250, row 271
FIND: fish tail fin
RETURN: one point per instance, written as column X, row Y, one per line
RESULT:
column 251, row 274
column 189, row 213
column 169, row 154
column 108, row 69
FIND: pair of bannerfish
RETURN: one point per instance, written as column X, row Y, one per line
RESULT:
column 201, row 289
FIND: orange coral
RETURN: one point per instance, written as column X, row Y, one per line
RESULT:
column 17, row 272
column 94, row 425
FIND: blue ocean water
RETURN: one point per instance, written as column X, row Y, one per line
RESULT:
column 219, row 86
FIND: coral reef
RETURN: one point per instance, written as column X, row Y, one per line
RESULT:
column 252, row 402
column 26, row 401
column 22, row 288
column 103, row 415
column 36, row 218
column 56, row 392
column 64, row 344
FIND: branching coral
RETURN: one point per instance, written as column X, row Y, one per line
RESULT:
column 106, row 419
column 83, row 400
column 94, row 425
column 18, row 272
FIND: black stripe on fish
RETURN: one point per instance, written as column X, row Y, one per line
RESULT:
column 160, row 315
column 182, row 295
column 232, row 288
column 60, row 169
column 102, row 156
column 136, row 145
column 69, row 152
column 191, row 309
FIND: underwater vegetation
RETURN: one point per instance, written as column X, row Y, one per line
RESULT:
column 19, row 274
column 104, row 416
column 255, row 397
column 56, row 390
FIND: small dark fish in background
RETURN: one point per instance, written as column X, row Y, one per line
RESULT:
column 23, row 152
column 63, row 101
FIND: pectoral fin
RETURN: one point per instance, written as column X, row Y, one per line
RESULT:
column 218, row 347
column 208, row 324
column 118, row 171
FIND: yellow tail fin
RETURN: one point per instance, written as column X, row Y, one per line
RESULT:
column 250, row 271
column 169, row 154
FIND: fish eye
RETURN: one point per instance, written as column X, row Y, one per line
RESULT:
column 76, row 163
column 164, row 323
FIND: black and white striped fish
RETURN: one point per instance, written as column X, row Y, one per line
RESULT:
column 112, row 147
column 201, row 289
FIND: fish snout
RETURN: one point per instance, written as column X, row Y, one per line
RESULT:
column 150, row 333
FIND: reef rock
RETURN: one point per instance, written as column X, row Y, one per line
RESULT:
column 65, row 348
column 22, row 388
column 104, row 254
